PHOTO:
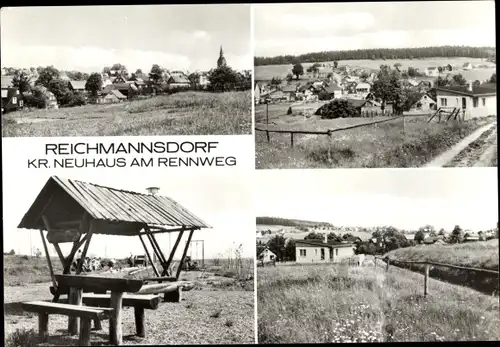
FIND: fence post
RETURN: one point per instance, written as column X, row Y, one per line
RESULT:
column 291, row 138
column 387, row 265
column 267, row 121
column 426, row 280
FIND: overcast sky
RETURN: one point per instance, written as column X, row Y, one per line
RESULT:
column 222, row 197
column 403, row 198
column 303, row 28
column 87, row 38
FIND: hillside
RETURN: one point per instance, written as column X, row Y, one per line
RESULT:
column 290, row 222
column 381, row 53
column 482, row 255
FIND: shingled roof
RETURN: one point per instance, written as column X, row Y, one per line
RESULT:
column 119, row 212
column 486, row 89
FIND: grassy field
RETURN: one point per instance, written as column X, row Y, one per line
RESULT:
column 186, row 113
column 218, row 310
column 483, row 255
column 296, row 234
column 379, row 145
column 267, row 72
column 328, row 303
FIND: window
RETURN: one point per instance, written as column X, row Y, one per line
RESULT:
column 302, row 252
column 484, row 101
column 322, row 254
column 316, row 251
column 21, row 103
column 14, row 100
column 336, row 251
column 444, row 102
column 475, row 102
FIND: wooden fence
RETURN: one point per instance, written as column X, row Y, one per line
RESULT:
column 427, row 265
column 328, row 132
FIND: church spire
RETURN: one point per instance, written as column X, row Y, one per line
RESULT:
column 221, row 61
column 221, row 52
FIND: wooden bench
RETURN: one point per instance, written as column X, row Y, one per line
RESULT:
column 85, row 313
column 138, row 302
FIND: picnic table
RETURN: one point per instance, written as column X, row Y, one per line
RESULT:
column 77, row 284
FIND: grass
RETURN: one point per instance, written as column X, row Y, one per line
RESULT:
column 185, row 113
column 323, row 304
column 22, row 338
column 20, row 270
column 379, row 145
column 482, row 255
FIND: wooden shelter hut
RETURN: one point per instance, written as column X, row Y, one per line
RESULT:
column 72, row 211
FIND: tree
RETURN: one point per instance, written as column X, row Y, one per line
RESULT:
column 476, row 83
column 289, row 77
column 457, row 235
column 60, row 89
column 405, row 99
column 276, row 81
column 364, row 75
column 459, row 79
column 46, row 75
column 106, row 70
column 194, row 78
column 442, row 82
column 493, row 78
column 156, row 74
column 419, row 236
column 449, row 67
column 335, row 64
column 22, row 81
column 387, row 86
column 120, row 69
column 38, row 97
column 338, row 108
column 138, row 72
column 222, row 78
column 397, row 66
column 314, row 68
column 298, row 70
column 261, row 246
column 94, row 84
column 441, row 232
column 334, row 237
column 314, row 236
column 440, row 69
column 277, row 246
column 12, row 252
column 290, row 253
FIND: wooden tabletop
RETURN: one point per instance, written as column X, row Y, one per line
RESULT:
column 98, row 283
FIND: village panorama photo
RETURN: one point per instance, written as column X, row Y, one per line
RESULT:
column 126, row 70
column 147, row 258
column 375, row 85
column 366, row 256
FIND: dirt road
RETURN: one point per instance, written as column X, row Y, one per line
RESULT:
column 447, row 158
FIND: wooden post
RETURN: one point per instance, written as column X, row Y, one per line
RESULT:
column 426, row 280
column 184, row 254
column 84, row 339
column 74, row 298
column 85, row 249
column 97, row 324
column 115, row 321
column 291, row 138
column 51, row 270
column 139, row 321
column 387, row 266
column 149, row 257
column 43, row 326
column 173, row 296
column 267, row 121
column 59, row 253
column 172, row 252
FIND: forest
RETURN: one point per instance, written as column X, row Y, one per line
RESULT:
column 289, row 222
column 381, row 53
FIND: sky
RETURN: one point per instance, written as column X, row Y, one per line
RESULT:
column 303, row 28
column 403, row 198
column 222, row 197
column 87, row 38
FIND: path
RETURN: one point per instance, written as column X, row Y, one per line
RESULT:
column 488, row 157
column 444, row 158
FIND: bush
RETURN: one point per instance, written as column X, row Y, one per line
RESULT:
column 338, row 109
column 22, row 338
column 74, row 99
column 35, row 100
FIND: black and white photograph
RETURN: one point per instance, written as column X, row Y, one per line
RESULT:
column 377, row 255
column 126, row 70
column 97, row 257
column 375, row 85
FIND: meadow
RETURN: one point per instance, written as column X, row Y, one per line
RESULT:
column 184, row 113
column 391, row 144
column 481, row 255
column 335, row 303
column 267, row 72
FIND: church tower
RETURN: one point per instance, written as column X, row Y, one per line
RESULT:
column 221, row 61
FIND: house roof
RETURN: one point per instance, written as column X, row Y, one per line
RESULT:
column 124, row 212
column 77, row 84
column 122, row 86
column 178, row 79
column 483, row 89
column 357, row 103
column 7, row 81
column 289, row 88
column 332, row 88
column 268, row 251
column 117, row 93
column 317, row 243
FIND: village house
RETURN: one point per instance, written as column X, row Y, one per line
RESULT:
column 333, row 90
column 106, row 81
column 290, row 91
column 424, row 85
column 323, row 72
column 203, row 81
column 267, row 256
column 363, row 89
column 277, row 96
column 112, row 96
column 473, row 101
column 178, row 81
column 313, row 251
column 431, row 71
column 467, row 66
column 425, row 103
column 119, row 79
column 77, row 86
column 127, row 89
column 12, row 100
